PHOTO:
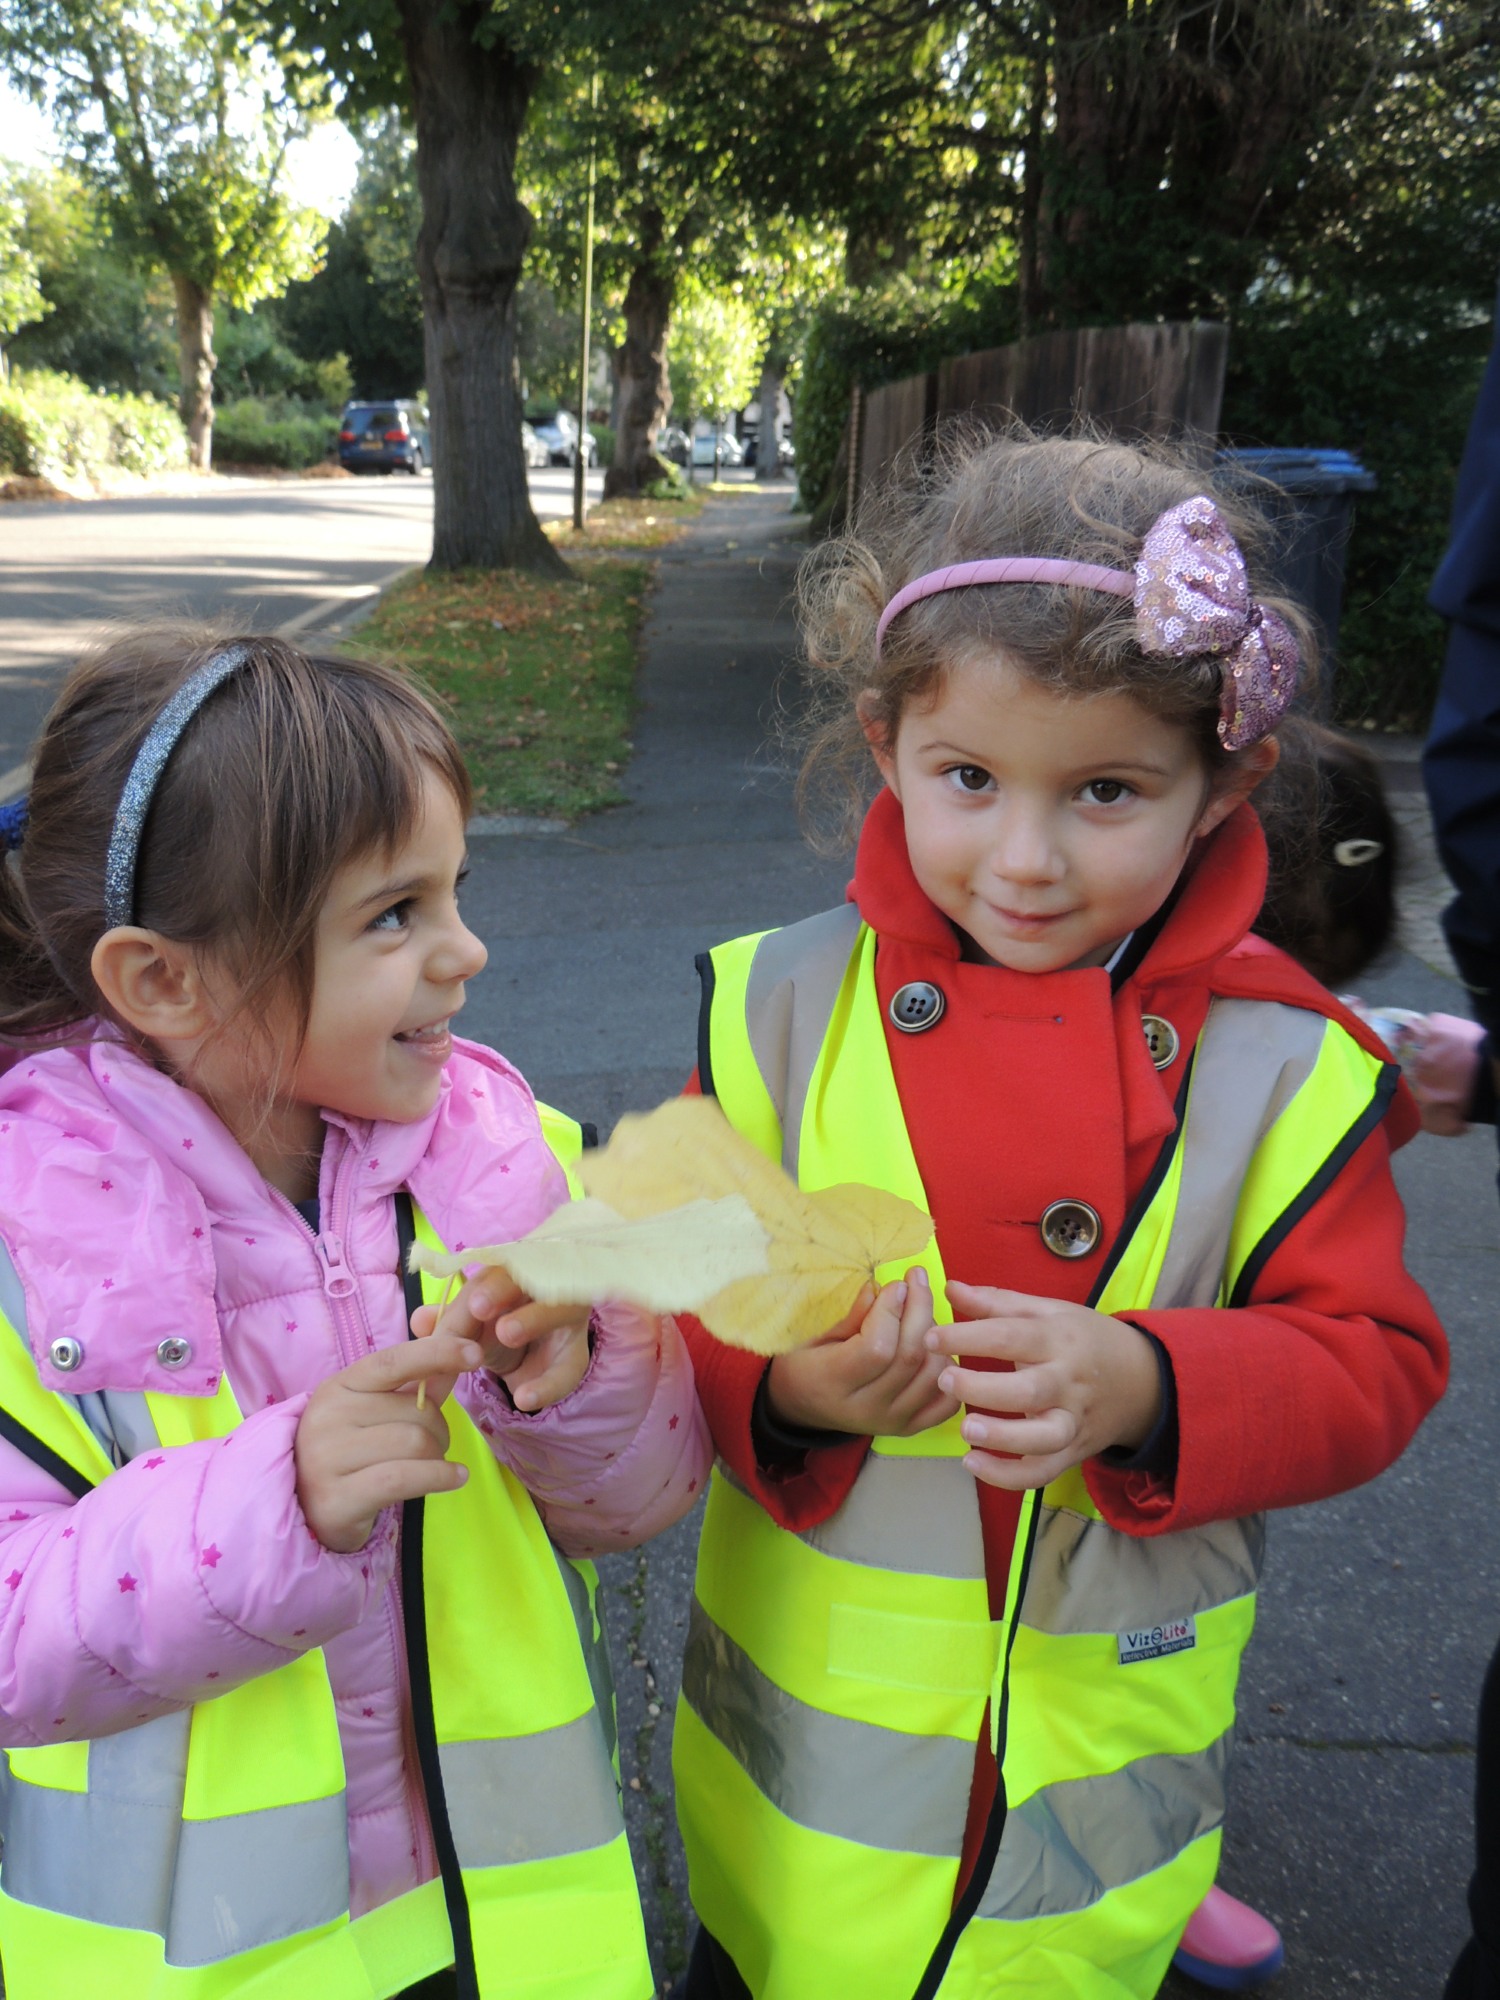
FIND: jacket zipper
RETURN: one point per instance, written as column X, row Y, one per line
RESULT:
column 351, row 1330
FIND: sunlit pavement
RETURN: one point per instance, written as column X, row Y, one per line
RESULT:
column 290, row 554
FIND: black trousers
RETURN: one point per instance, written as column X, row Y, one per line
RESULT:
column 1476, row 1974
column 712, row 1974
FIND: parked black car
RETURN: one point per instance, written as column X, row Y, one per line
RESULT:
column 384, row 437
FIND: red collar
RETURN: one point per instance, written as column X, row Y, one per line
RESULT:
column 1222, row 890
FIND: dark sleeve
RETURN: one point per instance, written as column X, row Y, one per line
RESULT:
column 1461, row 761
column 1156, row 1455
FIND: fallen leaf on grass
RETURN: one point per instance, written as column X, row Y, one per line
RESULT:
column 823, row 1245
column 586, row 1251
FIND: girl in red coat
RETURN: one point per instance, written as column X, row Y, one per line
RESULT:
column 1071, row 677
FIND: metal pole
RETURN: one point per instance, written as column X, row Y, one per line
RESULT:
column 581, row 456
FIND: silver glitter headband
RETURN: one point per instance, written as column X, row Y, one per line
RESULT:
column 145, row 773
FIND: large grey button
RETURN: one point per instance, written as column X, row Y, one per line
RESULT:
column 916, row 1006
column 1070, row 1228
column 66, row 1354
column 1162, row 1042
column 174, row 1351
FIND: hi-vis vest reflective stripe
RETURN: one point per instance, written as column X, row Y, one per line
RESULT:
column 204, row 1854
column 835, row 1680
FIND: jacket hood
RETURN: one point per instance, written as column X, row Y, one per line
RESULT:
column 133, row 1217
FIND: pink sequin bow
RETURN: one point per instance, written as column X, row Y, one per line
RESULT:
column 1192, row 596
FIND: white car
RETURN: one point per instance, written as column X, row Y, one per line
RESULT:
column 533, row 450
column 731, row 451
column 560, row 435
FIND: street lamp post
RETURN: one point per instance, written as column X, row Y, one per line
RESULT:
column 585, row 435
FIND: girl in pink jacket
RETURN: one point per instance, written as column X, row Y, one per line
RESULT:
column 299, row 1690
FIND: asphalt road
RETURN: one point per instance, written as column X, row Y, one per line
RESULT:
column 290, row 554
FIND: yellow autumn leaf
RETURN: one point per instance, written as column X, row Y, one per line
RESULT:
column 823, row 1245
column 586, row 1250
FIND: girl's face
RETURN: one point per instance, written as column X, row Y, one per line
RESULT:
column 392, row 958
column 1045, row 826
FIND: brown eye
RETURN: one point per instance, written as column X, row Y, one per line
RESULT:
column 1105, row 791
column 972, row 777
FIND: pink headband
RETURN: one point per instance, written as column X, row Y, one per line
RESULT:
column 1192, row 596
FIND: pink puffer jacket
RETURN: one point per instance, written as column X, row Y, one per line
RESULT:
column 134, row 1223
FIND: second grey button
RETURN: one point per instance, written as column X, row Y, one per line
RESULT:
column 1070, row 1228
column 174, row 1351
column 1161, row 1040
column 65, row 1353
column 916, row 1006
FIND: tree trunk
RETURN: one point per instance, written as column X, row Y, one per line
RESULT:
column 196, row 362
column 768, row 432
column 470, row 97
column 643, row 388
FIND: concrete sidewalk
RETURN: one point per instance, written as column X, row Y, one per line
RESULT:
column 1350, row 1815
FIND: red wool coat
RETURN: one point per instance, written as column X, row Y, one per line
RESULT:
column 1037, row 1087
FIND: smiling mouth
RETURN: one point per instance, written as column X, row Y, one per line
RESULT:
column 1024, row 918
column 437, row 1031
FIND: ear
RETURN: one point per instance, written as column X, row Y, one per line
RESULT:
column 882, row 749
column 1233, row 782
column 153, row 985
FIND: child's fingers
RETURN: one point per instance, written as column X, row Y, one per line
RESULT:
column 392, row 1368
column 1018, row 1475
column 1052, row 1431
column 556, row 1375
column 1015, row 1392
column 394, row 1480
column 849, row 1326
column 1001, row 1337
column 916, row 1316
column 991, row 1301
column 865, row 1357
column 507, row 1342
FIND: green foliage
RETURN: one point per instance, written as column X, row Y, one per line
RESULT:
column 21, row 298
column 107, row 322
column 880, row 335
column 254, row 359
column 604, row 437
column 182, row 126
column 272, row 430
column 715, row 347
column 55, row 427
column 672, row 485
column 365, row 302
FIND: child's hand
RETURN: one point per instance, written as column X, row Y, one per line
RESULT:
column 871, row 1375
column 541, row 1353
column 362, row 1443
column 1082, row 1382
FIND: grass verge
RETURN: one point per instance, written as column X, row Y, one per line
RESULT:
column 539, row 676
column 628, row 524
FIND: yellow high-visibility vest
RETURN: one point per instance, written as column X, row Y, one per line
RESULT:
column 204, row 1854
column 836, row 1679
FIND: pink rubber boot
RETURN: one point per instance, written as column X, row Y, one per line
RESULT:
column 1229, row 1945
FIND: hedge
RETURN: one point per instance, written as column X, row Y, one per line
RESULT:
column 272, row 430
column 54, row 426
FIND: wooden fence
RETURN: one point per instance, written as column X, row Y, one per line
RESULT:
column 1151, row 380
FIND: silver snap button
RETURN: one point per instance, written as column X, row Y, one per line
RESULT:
column 66, row 1354
column 1070, row 1228
column 1162, row 1042
column 916, row 1006
column 174, row 1351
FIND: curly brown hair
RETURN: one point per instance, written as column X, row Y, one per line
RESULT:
column 974, row 492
